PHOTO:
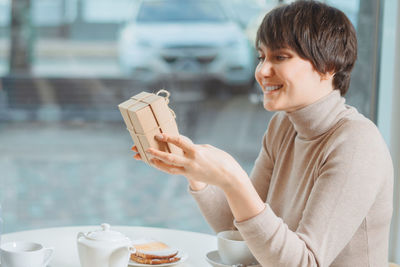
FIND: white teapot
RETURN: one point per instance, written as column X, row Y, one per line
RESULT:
column 103, row 248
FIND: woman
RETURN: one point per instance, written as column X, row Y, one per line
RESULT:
column 320, row 193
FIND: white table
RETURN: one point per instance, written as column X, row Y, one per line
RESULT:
column 63, row 240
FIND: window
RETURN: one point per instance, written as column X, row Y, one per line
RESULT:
column 178, row 11
column 65, row 153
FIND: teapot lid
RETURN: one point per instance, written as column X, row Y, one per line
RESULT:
column 105, row 234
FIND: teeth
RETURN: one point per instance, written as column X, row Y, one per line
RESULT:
column 274, row 87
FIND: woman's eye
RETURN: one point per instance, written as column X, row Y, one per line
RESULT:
column 281, row 58
column 260, row 58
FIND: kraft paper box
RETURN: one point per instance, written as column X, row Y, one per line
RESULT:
column 146, row 115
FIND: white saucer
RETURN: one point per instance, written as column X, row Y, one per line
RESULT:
column 214, row 259
column 184, row 256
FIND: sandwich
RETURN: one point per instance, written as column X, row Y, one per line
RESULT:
column 153, row 252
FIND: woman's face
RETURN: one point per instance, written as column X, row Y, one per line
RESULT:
column 288, row 81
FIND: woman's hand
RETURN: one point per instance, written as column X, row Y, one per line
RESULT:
column 205, row 164
column 199, row 163
column 194, row 185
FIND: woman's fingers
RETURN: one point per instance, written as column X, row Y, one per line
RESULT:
column 165, row 167
column 137, row 155
column 183, row 142
column 168, row 158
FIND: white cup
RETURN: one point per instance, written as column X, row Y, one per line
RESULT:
column 25, row 254
column 233, row 249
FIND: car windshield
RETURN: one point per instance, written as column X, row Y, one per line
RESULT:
column 180, row 11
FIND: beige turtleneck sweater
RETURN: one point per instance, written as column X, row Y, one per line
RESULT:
column 326, row 177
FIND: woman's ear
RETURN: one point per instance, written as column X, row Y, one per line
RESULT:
column 327, row 76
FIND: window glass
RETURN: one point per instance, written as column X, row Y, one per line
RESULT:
column 178, row 11
column 98, row 11
column 65, row 65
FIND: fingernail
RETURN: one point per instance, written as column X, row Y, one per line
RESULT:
column 159, row 136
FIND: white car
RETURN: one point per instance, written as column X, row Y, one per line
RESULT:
column 185, row 40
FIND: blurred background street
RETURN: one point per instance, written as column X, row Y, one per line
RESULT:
column 65, row 65
column 79, row 172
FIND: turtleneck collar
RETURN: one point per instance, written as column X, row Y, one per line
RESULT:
column 317, row 118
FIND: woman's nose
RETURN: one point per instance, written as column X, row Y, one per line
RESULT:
column 265, row 69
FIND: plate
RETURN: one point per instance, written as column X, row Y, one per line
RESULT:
column 214, row 259
column 184, row 256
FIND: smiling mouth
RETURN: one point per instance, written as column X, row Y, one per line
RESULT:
column 273, row 87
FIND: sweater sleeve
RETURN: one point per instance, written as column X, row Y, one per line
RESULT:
column 214, row 207
column 356, row 167
column 261, row 174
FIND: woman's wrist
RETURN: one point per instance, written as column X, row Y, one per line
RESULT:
column 234, row 180
column 243, row 198
column 235, row 183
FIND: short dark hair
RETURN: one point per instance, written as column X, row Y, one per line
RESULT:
column 318, row 33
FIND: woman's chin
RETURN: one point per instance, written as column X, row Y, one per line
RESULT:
column 269, row 104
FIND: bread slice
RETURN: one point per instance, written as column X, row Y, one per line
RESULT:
column 153, row 261
column 151, row 249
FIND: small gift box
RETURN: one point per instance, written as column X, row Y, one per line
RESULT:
column 146, row 115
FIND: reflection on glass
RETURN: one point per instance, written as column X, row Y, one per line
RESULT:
column 181, row 11
column 65, row 154
column 171, row 42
